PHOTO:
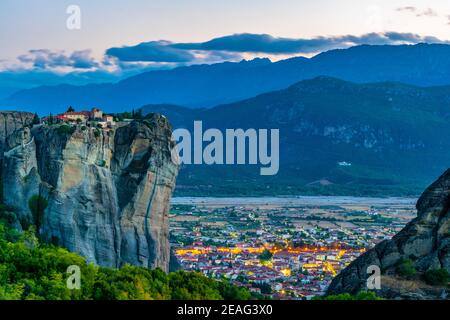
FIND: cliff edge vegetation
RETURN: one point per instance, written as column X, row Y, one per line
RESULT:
column 32, row 270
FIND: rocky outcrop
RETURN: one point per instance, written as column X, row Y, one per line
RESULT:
column 11, row 125
column 424, row 242
column 108, row 191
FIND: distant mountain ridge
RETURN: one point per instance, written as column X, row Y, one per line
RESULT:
column 209, row 85
column 395, row 136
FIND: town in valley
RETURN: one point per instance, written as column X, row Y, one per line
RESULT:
column 281, row 248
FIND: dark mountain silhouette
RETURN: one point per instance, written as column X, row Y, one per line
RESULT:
column 208, row 85
column 395, row 136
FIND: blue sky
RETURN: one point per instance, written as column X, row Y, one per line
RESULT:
column 119, row 38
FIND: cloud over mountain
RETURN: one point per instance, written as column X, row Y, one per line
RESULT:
column 47, row 59
column 226, row 48
column 153, row 51
column 118, row 62
column 264, row 43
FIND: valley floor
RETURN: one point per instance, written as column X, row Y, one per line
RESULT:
column 287, row 248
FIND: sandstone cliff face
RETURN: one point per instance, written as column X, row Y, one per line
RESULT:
column 425, row 241
column 108, row 194
column 11, row 125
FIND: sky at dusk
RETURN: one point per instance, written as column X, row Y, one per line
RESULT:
column 119, row 38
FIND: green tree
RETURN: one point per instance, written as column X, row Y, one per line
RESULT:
column 265, row 288
column 231, row 292
column 192, row 286
column 37, row 205
column 363, row 295
column 96, row 133
column 65, row 129
column 138, row 114
column 35, row 271
column 439, row 277
column 70, row 109
column 266, row 255
column 406, row 268
column 126, row 115
column 36, row 119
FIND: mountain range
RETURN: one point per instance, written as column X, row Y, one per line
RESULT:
column 391, row 137
column 204, row 86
